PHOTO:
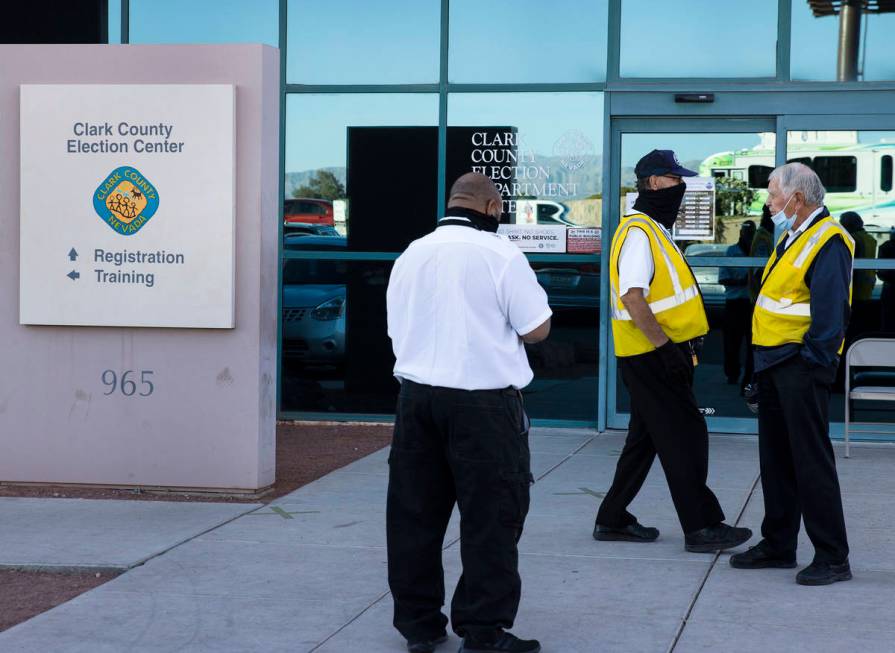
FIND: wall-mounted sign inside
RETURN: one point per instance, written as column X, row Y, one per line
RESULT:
column 127, row 205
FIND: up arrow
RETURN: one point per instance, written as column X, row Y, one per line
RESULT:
column 73, row 254
column 73, row 275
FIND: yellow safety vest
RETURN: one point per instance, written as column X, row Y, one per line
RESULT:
column 783, row 307
column 674, row 296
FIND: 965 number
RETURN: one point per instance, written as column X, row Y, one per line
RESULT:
column 126, row 383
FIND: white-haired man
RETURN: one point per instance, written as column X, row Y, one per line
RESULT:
column 798, row 329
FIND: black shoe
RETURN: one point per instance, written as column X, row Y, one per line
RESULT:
column 761, row 557
column 631, row 533
column 425, row 645
column 503, row 642
column 824, row 573
column 716, row 538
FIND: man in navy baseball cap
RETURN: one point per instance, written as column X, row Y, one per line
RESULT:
column 661, row 163
column 658, row 319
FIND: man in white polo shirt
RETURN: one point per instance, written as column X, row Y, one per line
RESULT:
column 462, row 302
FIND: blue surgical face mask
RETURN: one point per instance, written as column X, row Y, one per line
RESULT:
column 780, row 219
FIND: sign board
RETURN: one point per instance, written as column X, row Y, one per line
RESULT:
column 585, row 241
column 127, row 205
column 545, row 239
column 696, row 218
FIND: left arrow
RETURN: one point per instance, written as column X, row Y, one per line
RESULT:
column 73, row 254
column 73, row 275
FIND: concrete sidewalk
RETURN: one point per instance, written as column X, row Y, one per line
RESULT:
column 308, row 572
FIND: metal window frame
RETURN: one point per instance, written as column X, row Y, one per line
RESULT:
column 770, row 96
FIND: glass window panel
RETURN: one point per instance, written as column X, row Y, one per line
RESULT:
column 873, row 315
column 758, row 175
column 362, row 42
column 838, row 173
column 565, row 365
column 503, row 41
column 730, row 190
column 733, row 169
column 364, row 165
column 544, row 152
column 114, row 21
column 336, row 353
column 815, row 39
column 852, row 167
column 885, row 173
column 337, row 356
column 698, row 38
column 204, row 21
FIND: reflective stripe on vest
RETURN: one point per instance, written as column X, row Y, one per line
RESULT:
column 811, row 244
column 783, row 306
column 659, row 305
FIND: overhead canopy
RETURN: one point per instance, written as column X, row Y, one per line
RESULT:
column 833, row 7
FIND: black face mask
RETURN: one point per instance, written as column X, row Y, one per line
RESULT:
column 477, row 219
column 661, row 205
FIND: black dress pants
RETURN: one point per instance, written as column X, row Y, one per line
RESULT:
column 798, row 467
column 470, row 448
column 665, row 420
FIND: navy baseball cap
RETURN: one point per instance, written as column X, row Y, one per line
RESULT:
column 661, row 162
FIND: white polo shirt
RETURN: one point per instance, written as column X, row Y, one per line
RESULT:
column 458, row 301
column 635, row 260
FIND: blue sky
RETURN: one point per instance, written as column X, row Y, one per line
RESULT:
column 315, row 134
column 397, row 41
column 814, row 45
column 698, row 38
column 204, row 21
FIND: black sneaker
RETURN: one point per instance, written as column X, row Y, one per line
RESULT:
column 761, row 557
column 425, row 645
column 824, row 573
column 503, row 642
column 716, row 538
column 631, row 533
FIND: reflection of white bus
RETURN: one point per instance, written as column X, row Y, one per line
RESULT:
column 857, row 176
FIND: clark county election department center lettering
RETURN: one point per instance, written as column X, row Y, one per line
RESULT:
column 99, row 144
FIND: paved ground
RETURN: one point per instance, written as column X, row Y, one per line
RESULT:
column 307, row 572
column 60, row 533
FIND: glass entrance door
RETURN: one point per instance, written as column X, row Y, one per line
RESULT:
column 721, row 234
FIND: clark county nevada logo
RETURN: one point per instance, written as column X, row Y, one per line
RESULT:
column 125, row 200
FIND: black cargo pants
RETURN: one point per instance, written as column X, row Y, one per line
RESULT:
column 470, row 448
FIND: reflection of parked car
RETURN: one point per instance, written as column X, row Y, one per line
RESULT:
column 707, row 277
column 306, row 229
column 314, row 304
column 308, row 211
column 573, row 287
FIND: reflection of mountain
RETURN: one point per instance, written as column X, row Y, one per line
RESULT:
column 588, row 177
column 297, row 179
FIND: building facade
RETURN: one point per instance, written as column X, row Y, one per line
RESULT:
column 385, row 103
